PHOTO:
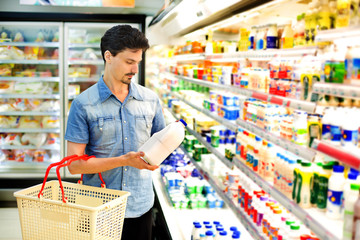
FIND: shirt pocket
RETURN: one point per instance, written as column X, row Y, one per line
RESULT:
column 143, row 128
column 103, row 132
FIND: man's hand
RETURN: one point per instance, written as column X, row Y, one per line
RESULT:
column 134, row 159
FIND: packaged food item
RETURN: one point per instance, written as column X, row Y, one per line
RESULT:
column 50, row 122
column 13, row 139
column 343, row 13
column 335, row 193
column 36, row 139
column 29, row 122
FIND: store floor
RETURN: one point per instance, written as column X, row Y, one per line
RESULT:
column 9, row 224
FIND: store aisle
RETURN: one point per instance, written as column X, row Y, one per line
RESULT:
column 9, row 224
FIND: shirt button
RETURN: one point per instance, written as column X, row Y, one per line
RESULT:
column 124, row 121
column 124, row 184
column 125, row 169
column 126, row 138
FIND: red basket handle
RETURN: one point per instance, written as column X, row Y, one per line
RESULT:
column 49, row 168
column 84, row 157
column 103, row 185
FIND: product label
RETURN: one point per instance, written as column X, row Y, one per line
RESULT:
column 238, row 148
column 349, row 136
column 335, row 133
column 271, row 42
column 326, row 132
column 348, row 224
column 335, row 197
column 287, row 42
column 323, row 184
column 251, row 40
column 295, row 185
column 355, row 71
column 314, row 188
column 260, row 44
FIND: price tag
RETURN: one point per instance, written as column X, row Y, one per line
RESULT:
column 353, row 94
column 334, row 91
column 307, row 221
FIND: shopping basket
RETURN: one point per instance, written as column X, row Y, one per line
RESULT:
column 70, row 211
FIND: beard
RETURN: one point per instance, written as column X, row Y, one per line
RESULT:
column 127, row 78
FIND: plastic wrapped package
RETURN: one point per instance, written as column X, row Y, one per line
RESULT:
column 77, row 35
column 31, row 88
column 36, row 139
column 29, row 122
column 13, row 53
column 9, row 122
column 52, row 139
column 6, row 87
column 19, row 104
column 6, row 105
column 44, row 106
column 50, row 122
column 13, row 139
column 40, row 156
column 5, row 69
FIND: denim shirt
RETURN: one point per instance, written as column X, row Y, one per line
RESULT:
column 110, row 128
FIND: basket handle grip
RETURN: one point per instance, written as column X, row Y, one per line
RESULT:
column 83, row 157
column 49, row 168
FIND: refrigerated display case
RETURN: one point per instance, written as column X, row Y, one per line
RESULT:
column 31, row 63
column 180, row 72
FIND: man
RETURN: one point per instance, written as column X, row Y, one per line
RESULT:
column 111, row 120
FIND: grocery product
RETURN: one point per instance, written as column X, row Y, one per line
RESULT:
column 162, row 143
column 303, row 188
column 343, row 13
column 322, row 195
column 335, row 193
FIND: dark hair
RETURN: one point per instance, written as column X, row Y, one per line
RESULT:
column 122, row 37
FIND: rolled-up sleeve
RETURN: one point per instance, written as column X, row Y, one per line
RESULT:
column 77, row 129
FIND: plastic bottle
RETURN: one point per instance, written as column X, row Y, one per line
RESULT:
column 294, row 233
column 287, row 38
column 209, row 235
column 343, row 13
column 335, row 127
column 222, row 236
column 303, row 192
column 269, row 170
column 326, row 124
column 252, row 38
column 335, row 193
column 163, row 143
column 197, row 230
column 256, row 156
column 272, row 37
column 300, row 128
column 349, row 211
column 350, row 131
column 351, row 179
column 324, row 20
column 209, row 47
column 296, row 178
column 315, row 183
column 324, row 175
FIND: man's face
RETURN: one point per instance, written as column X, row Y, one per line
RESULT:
column 124, row 65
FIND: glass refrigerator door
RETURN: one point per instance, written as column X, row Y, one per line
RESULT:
column 30, row 94
column 83, row 61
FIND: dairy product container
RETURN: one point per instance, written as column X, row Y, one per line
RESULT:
column 303, row 189
column 197, row 230
column 335, row 193
column 323, row 183
column 163, row 143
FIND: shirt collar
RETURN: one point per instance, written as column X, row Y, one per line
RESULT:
column 105, row 93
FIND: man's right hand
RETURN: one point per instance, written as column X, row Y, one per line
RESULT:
column 134, row 160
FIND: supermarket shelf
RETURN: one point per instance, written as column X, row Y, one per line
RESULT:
column 30, row 130
column 29, row 113
column 335, row 34
column 324, row 227
column 86, row 62
column 30, row 79
column 29, row 147
column 224, row 160
column 220, row 156
column 37, row 62
column 298, row 150
column 250, row 227
column 278, row 100
column 84, row 45
column 339, row 90
column 351, row 158
column 33, row 96
column 189, row 57
column 223, row 121
column 83, row 79
column 31, row 44
column 261, row 54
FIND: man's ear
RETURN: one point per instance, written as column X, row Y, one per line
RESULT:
column 107, row 56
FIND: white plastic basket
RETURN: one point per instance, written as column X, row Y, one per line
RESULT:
column 86, row 213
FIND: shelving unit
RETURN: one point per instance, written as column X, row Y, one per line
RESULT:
column 314, row 219
column 30, row 130
column 282, row 101
column 338, row 90
column 30, row 79
column 32, row 96
column 29, row 113
column 249, row 226
column 36, row 62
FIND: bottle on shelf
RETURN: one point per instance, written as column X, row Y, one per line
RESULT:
column 335, row 192
column 197, row 229
column 272, row 37
column 303, row 188
column 287, row 38
column 324, row 21
column 209, row 47
column 324, row 175
column 343, row 13
column 349, row 204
